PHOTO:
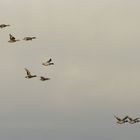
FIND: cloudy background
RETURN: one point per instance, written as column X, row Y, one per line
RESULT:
column 95, row 46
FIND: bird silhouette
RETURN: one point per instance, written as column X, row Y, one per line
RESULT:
column 29, row 38
column 3, row 25
column 43, row 78
column 121, row 121
column 132, row 121
column 29, row 75
column 12, row 39
column 47, row 63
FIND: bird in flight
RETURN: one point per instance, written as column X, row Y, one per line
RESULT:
column 132, row 121
column 43, row 78
column 12, row 39
column 3, row 25
column 121, row 121
column 29, row 75
column 29, row 38
column 48, row 63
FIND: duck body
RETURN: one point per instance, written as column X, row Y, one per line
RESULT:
column 122, row 122
column 30, row 76
column 43, row 78
column 29, row 38
column 47, row 64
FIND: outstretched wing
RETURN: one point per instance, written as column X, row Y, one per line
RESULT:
column 117, row 118
column 125, row 118
column 130, row 119
column 27, row 71
column 43, row 78
column 49, row 60
column 136, row 119
column 12, row 37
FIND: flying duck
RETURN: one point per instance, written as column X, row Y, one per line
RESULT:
column 48, row 63
column 43, row 78
column 132, row 121
column 29, row 38
column 3, row 25
column 12, row 39
column 29, row 75
column 121, row 121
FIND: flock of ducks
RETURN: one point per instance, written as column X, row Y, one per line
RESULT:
column 48, row 63
column 12, row 39
column 127, row 119
column 29, row 75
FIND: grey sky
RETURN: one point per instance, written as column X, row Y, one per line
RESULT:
column 95, row 47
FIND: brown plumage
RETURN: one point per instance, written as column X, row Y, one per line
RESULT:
column 121, row 121
column 132, row 121
column 29, row 75
column 12, row 39
column 3, row 25
column 43, row 78
column 47, row 63
column 29, row 38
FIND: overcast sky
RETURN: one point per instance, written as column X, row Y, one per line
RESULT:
column 95, row 45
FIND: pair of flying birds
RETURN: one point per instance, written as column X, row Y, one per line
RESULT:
column 127, row 119
column 12, row 38
column 29, row 75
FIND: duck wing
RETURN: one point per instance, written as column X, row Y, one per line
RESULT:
column 49, row 60
column 119, row 119
column 27, row 71
column 12, row 37
column 136, row 119
column 125, row 118
column 130, row 119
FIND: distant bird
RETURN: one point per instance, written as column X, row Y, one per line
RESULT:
column 29, row 38
column 48, row 63
column 132, row 121
column 121, row 121
column 29, row 75
column 3, row 25
column 12, row 39
column 43, row 78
